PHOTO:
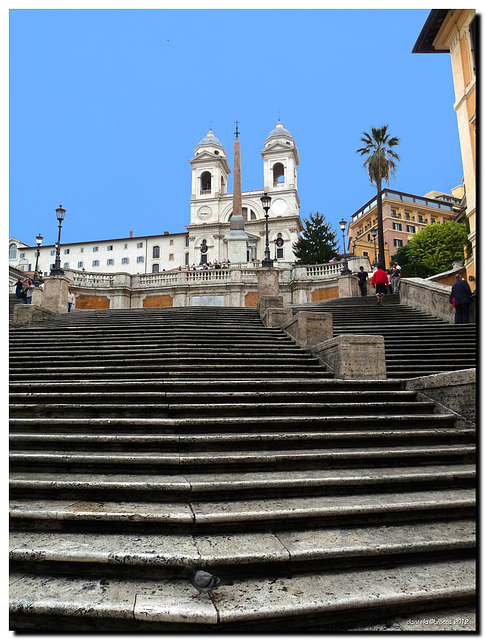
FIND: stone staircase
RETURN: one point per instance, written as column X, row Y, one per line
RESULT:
column 417, row 343
column 144, row 440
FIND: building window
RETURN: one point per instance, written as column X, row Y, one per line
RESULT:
column 156, row 252
column 81, row 249
column 12, row 252
column 407, row 215
column 66, row 251
column 155, row 268
column 433, row 220
column 95, row 263
column 170, row 257
column 21, row 255
column 205, row 182
column 140, row 259
column 396, row 226
column 171, row 242
column 187, row 241
column 279, row 252
column 95, row 248
column 125, row 260
column 410, row 228
column 186, row 258
column 53, row 252
column 365, row 253
column 139, row 245
column 420, row 219
column 109, row 247
column 398, row 242
column 393, row 213
column 110, row 261
column 79, row 265
column 278, row 174
column 65, row 265
column 51, row 267
column 125, row 247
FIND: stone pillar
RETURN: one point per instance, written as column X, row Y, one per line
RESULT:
column 348, row 287
column 268, row 282
column 309, row 328
column 55, row 293
column 354, row 357
column 38, row 296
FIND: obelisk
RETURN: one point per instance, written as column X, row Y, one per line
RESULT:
column 237, row 239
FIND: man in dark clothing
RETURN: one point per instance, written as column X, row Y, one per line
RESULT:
column 362, row 277
column 461, row 295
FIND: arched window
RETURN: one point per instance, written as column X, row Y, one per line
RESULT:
column 156, row 252
column 205, row 182
column 155, row 268
column 12, row 251
column 278, row 174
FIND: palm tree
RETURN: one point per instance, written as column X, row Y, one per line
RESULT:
column 380, row 165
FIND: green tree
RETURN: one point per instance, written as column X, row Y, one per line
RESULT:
column 435, row 248
column 317, row 243
column 380, row 165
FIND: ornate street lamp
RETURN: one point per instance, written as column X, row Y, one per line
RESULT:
column 57, row 271
column 345, row 271
column 374, row 235
column 38, row 239
column 266, row 204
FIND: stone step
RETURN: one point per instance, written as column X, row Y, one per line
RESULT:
column 227, row 385
column 226, row 424
column 227, row 486
column 239, row 554
column 254, row 604
column 285, row 459
column 246, row 515
column 165, row 409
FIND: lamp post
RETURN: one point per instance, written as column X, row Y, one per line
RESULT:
column 374, row 235
column 345, row 271
column 266, row 204
column 57, row 271
column 38, row 239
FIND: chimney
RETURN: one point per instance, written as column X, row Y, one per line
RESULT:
column 131, row 234
column 166, row 233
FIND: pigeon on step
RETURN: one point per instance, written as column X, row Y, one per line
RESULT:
column 204, row 581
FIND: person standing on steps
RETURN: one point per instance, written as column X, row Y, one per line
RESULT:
column 29, row 289
column 362, row 277
column 380, row 282
column 461, row 297
column 395, row 276
column 71, row 301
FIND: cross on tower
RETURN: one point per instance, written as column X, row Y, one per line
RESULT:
column 210, row 122
column 279, row 115
column 237, row 130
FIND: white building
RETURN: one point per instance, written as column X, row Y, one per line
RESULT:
column 210, row 214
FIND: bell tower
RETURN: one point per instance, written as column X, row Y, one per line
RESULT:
column 280, row 158
column 210, row 169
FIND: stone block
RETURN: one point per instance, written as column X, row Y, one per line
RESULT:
column 24, row 314
column 268, row 282
column 451, row 391
column 276, row 317
column 265, row 302
column 354, row 357
column 348, row 287
column 308, row 328
column 55, row 293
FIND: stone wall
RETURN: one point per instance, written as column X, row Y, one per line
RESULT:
column 430, row 297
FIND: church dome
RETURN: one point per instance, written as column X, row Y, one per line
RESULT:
column 279, row 131
column 210, row 139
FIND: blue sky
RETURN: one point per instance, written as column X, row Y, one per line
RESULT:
column 107, row 106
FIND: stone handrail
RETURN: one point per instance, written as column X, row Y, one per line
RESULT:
column 430, row 297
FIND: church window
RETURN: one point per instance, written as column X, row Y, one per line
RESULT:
column 278, row 174
column 205, row 182
column 186, row 258
column 12, row 252
column 155, row 268
column 216, row 152
column 186, row 241
column 156, row 252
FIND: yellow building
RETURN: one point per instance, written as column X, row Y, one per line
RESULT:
column 453, row 31
column 403, row 215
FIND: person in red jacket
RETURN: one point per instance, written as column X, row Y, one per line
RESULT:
column 380, row 282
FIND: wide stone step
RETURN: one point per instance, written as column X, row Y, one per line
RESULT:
column 246, row 515
column 226, row 486
column 239, row 554
column 214, row 424
column 286, row 459
column 161, row 409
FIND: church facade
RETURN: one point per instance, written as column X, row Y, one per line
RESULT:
column 205, row 241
